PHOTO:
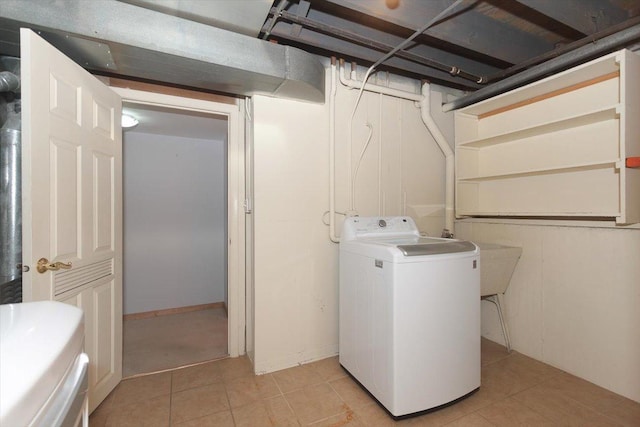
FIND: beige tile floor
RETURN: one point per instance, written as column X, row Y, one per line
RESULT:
column 172, row 341
column 516, row 390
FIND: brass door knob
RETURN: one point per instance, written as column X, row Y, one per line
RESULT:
column 44, row 265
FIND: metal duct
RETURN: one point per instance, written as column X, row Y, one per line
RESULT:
column 107, row 37
column 11, row 202
column 10, row 191
column 9, row 82
column 244, row 17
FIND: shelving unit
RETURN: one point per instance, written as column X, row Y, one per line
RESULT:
column 555, row 148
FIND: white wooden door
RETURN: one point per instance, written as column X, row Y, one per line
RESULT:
column 72, row 200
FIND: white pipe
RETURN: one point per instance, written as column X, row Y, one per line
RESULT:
column 332, row 157
column 380, row 120
column 425, row 114
column 370, row 87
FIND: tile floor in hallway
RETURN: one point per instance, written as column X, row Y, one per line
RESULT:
column 516, row 390
column 170, row 341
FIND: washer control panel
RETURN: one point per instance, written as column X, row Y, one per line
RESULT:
column 362, row 227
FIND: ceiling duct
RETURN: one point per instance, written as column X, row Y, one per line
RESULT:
column 244, row 17
column 106, row 37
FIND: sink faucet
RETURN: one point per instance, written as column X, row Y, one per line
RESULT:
column 446, row 234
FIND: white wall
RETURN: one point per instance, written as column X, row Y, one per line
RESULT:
column 296, row 266
column 574, row 299
column 174, row 222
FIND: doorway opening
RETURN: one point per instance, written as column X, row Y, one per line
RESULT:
column 233, row 110
column 175, row 277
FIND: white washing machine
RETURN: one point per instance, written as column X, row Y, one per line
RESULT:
column 409, row 313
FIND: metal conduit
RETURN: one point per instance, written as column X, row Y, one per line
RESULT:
column 363, row 41
column 441, row 16
column 275, row 14
column 575, row 57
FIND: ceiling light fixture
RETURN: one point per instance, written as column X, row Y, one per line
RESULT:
column 128, row 121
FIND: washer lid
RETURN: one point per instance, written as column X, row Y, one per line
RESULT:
column 417, row 245
column 436, row 248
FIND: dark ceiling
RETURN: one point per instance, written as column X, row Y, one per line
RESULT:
column 478, row 43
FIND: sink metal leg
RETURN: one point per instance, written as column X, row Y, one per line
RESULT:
column 497, row 300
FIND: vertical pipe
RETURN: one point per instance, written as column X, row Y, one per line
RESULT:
column 380, row 207
column 10, row 182
column 11, row 202
column 425, row 114
column 332, row 156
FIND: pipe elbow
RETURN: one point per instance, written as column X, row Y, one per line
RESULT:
column 343, row 78
column 425, row 102
column 9, row 82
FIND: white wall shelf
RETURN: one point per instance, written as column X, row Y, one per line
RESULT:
column 556, row 147
column 550, row 170
column 583, row 119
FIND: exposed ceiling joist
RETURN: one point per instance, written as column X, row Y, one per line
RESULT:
column 586, row 16
column 331, row 46
column 469, row 29
column 345, row 38
column 432, row 51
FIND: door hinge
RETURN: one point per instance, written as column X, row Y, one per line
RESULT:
column 247, row 206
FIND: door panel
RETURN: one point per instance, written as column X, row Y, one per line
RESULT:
column 103, row 318
column 103, row 238
column 72, row 199
column 65, row 159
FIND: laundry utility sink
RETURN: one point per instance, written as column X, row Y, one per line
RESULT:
column 497, row 263
column 40, row 343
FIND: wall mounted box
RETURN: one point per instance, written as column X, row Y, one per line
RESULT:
column 556, row 147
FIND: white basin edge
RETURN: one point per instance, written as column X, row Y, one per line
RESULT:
column 38, row 343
